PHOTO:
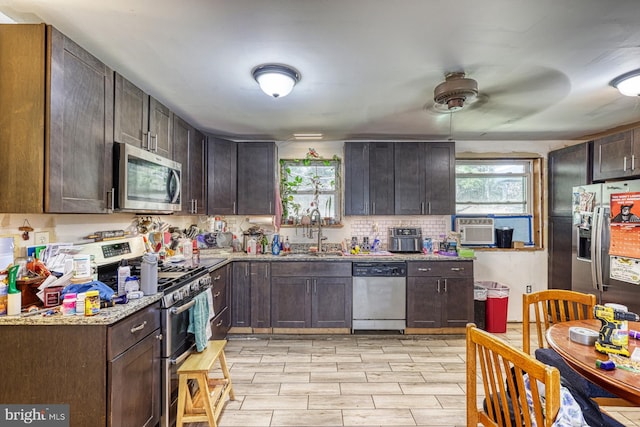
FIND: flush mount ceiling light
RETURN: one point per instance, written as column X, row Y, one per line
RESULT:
column 628, row 84
column 276, row 80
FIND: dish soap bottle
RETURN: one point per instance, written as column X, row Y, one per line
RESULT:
column 275, row 245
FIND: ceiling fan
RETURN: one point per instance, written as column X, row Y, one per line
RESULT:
column 452, row 94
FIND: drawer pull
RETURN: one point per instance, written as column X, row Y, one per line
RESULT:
column 139, row 327
column 217, row 277
column 457, row 268
column 159, row 337
column 219, row 323
column 424, row 269
column 216, row 295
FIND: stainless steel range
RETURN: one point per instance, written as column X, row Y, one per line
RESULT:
column 180, row 283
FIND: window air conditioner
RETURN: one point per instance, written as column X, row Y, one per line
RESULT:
column 476, row 231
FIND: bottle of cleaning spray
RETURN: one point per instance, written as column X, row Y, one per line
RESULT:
column 14, row 297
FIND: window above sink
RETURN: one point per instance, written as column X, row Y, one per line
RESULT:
column 307, row 184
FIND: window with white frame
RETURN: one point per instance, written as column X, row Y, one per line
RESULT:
column 498, row 187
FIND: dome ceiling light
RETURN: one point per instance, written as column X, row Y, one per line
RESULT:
column 276, row 80
column 628, row 84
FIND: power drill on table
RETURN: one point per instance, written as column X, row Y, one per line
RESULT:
column 612, row 338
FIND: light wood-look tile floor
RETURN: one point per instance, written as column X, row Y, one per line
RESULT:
column 354, row 380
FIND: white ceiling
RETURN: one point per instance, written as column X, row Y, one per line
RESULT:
column 368, row 67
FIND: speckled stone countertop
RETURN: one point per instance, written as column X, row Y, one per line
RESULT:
column 332, row 256
column 106, row 316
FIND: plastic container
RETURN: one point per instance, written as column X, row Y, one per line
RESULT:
column 92, row 303
column 479, row 306
column 69, row 304
column 81, row 266
column 497, row 306
column 149, row 274
column 131, row 284
column 124, row 271
column 503, row 237
column 80, row 303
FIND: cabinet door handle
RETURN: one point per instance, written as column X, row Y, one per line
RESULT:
column 217, row 277
column 219, row 323
column 633, row 162
column 307, row 285
column 155, row 146
column 429, row 208
column 445, row 285
column 159, row 337
column 266, row 272
column 113, row 198
column 139, row 327
column 457, row 268
column 373, row 208
column 422, row 208
column 624, row 168
column 315, row 286
column 216, row 295
column 234, row 207
column 438, row 285
column 270, row 206
column 424, row 269
column 146, row 135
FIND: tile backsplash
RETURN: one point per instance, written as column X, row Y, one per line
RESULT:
column 365, row 226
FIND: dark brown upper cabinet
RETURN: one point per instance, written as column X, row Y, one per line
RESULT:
column 59, row 126
column 141, row 120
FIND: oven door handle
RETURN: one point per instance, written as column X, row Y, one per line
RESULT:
column 187, row 306
column 178, row 360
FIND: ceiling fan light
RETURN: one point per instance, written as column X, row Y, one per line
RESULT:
column 628, row 84
column 276, row 80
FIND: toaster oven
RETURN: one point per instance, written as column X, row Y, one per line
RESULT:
column 405, row 239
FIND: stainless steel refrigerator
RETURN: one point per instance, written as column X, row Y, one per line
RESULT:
column 591, row 237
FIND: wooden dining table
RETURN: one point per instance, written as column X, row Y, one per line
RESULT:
column 582, row 358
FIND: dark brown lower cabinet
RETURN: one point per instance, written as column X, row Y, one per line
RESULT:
column 109, row 375
column 439, row 294
column 311, row 295
column 134, row 384
column 260, row 295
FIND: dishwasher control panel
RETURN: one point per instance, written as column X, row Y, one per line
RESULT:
column 379, row 269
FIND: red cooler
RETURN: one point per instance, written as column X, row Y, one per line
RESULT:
column 497, row 304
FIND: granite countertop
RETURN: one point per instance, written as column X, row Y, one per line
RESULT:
column 214, row 259
column 331, row 256
column 106, row 316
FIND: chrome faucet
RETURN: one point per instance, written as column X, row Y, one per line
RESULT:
column 320, row 237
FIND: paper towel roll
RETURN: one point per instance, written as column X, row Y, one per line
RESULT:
column 14, row 304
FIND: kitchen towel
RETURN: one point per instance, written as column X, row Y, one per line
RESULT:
column 198, row 320
column 212, row 313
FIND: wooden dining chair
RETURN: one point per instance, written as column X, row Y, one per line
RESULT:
column 553, row 306
column 501, row 368
column 549, row 307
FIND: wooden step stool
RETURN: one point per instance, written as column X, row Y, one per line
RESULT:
column 207, row 402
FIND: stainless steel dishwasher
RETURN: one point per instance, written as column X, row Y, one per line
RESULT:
column 379, row 295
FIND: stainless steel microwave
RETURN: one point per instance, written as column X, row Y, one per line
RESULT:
column 145, row 181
